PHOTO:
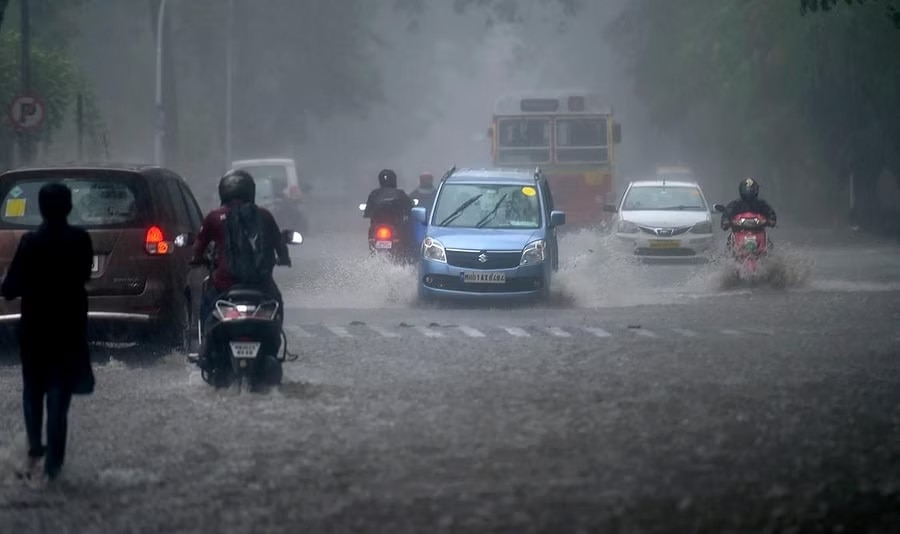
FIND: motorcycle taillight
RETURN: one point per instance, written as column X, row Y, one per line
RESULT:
column 383, row 233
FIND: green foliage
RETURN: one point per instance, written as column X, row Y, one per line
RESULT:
column 753, row 87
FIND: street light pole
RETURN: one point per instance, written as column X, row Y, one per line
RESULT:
column 229, row 82
column 160, row 111
column 25, row 66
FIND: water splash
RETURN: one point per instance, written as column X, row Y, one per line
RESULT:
column 370, row 282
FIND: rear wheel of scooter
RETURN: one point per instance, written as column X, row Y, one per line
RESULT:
column 271, row 372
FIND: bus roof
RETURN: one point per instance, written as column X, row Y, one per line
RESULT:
column 552, row 102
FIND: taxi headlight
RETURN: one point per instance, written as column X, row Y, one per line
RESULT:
column 533, row 253
column 432, row 249
column 628, row 227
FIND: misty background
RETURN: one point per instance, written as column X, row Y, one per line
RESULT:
column 807, row 104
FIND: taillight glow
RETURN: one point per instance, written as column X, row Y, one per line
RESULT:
column 155, row 241
column 383, row 233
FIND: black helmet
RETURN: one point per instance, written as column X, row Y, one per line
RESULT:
column 749, row 189
column 237, row 185
column 387, row 178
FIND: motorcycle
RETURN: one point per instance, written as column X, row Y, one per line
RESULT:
column 246, row 330
column 748, row 242
column 388, row 240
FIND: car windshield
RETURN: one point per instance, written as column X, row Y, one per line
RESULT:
column 96, row 202
column 277, row 175
column 663, row 198
column 495, row 206
column 523, row 140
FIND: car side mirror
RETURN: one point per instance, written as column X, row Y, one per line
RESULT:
column 362, row 207
column 291, row 237
column 557, row 218
column 184, row 240
column 617, row 133
column 490, row 132
column 419, row 214
column 719, row 208
column 610, row 208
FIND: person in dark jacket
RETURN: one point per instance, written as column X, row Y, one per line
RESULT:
column 53, row 326
column 389, row 205
column 749, row 201
column 425, row 192
column 237, row 193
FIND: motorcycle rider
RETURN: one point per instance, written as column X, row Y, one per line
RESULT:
column 388, row 205
column 749, row 201
column 237, row 193
column 425, row 192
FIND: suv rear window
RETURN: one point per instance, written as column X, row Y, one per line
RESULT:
column 98, row 201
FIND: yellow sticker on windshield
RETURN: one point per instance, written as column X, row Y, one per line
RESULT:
column 528, row 191
column 15, row 207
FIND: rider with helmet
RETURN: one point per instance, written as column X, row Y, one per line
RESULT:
column 387, row 204
column 749, row 201
column 425, row 192
column 237, row 193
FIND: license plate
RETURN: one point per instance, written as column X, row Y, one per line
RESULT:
column 95, row 265
column 664, row 243
column 484, row 278
column 245, row 349
column 382, row 245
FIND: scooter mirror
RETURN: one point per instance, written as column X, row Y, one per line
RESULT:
column 718, row 207
column 291, row 237
column 184, row 240
column 362, row 207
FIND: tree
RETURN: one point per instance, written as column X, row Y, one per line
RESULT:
column 892, row 8
column 753, row 88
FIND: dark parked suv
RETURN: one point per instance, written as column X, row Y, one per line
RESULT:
column 141, row 285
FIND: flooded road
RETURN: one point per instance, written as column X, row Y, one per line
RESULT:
column 649, row 399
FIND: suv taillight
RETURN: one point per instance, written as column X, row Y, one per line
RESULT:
column 155, row 242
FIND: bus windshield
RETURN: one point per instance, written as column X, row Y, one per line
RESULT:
column 582, row 140
column 523, row 140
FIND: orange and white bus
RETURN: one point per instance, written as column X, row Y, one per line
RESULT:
column 571, row 137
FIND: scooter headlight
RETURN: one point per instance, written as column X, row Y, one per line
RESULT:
column 432, row 249
column 534, row 253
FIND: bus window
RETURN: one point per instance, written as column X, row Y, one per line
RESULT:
column 582, row 140
column 523, row 141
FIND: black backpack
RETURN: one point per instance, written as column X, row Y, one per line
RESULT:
column 247, row 250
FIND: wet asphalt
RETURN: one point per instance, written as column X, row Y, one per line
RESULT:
column 643, row 398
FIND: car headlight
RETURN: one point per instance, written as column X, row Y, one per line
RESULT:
column 533, row 253
column 704, row 227
column 628, row 227
column 432, row 249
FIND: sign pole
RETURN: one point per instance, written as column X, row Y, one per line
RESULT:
column 25, row 65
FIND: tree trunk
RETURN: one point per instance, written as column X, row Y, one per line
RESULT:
column 169, row 95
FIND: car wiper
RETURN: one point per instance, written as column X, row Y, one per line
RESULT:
column 680, row 207
column 458, row 211
column 487, row 218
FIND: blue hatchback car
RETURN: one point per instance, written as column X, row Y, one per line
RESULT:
column 490, row 234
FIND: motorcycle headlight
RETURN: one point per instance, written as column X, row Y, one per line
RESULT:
column 628, row 227
column 432, row 249
column 533, row 253
column 704, row 227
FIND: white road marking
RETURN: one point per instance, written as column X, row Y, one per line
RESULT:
column 730, row 332
column 297, row 331
column 516, row 332
column 471, row 332
column 339, row 331
column 599, row 332
column 383, row 332
column 685, row 332
column 558, row 332
column 427, row 332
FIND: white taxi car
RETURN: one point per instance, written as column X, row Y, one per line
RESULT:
column 664, row 219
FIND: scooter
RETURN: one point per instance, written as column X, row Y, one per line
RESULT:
column 388, row 240
column 246, row 330
column 748, row 243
